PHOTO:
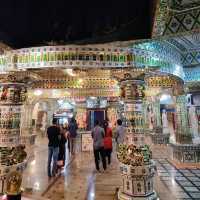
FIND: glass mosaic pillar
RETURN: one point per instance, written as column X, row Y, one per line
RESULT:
column 145, row 114
column 132, row 94
column 12, row 153
column 156, row 108
column 152, row 110
column 184, row 150
column 183, row 134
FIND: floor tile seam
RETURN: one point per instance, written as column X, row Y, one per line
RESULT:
column 188, row 180
column 56, row 179
column 194, row 174
column 184, row 174
column 177, row 181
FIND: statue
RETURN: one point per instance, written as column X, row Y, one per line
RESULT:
column 151, row 117
column 165, row 121
column 13, row 183
column 44, row 122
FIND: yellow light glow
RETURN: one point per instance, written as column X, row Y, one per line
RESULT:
column 70, row 72
column 37, row 92
column 80, row 81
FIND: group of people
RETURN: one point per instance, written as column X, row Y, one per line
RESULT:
column 102, row 143
column 58, row 136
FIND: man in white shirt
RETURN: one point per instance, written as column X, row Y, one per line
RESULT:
column 120, row 132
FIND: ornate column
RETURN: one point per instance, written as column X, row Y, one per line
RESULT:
column 161, row 85
column 28, row 135
column 182, row 132
column 156, row 108
column 132, row 95
column 26, row 124
column 184, row 150
column 12, row 154
column 137, row 168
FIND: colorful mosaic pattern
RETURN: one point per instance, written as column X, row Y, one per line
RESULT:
column 165, row 53
column 161, row 14
column 176, row 16
column 192, row 73
column 191, row 58
column 182, row 22
column 184, row 4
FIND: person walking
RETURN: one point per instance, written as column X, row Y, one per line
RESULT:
column 72, row 128
column 120, row 132
column 53, row 134
column 98, row 145
column 62, row 149
column 107, row 141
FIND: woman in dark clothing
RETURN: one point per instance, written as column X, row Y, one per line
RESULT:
column 107, row 141
column 61, row 155
column 72, row 128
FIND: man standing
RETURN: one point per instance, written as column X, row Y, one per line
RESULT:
column 53, row 133
column 72, row 128
column 120, row 132
column 98, row 135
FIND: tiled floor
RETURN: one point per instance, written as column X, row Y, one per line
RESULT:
column 79, row 181
column 184, row 184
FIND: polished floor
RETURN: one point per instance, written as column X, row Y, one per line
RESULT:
column 79, row 181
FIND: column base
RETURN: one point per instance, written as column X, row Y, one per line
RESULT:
column 136, row 139
column 162, row 138
column 123, row 196
column 186, row 153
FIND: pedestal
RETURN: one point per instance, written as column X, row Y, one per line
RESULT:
column 136, row 139
column 186, row 153
column 137, row 182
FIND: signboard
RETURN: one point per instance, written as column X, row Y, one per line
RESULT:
column 87, row 142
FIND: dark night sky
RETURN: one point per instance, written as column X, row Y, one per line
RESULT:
column 26, row 23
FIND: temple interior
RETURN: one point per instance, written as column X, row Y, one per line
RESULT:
column 152, row 85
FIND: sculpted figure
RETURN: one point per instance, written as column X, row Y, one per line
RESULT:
column 13, row 183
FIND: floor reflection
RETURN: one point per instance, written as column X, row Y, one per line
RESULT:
column 78, row 180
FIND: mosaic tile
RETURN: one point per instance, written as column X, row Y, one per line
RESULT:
column 181, row 178
column 184, row 170
column 194, row 178
column 196, row 171
column 164, row 174
column 162, row 171
column 195, row 195
column 181, row 195
column 164, row 178
column 177, row 175
column 191, row 189
column 185, row 183
column 189, row 174
column 197, row 183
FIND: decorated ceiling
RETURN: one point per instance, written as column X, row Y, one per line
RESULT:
column 183, row 4
column 174, row 49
